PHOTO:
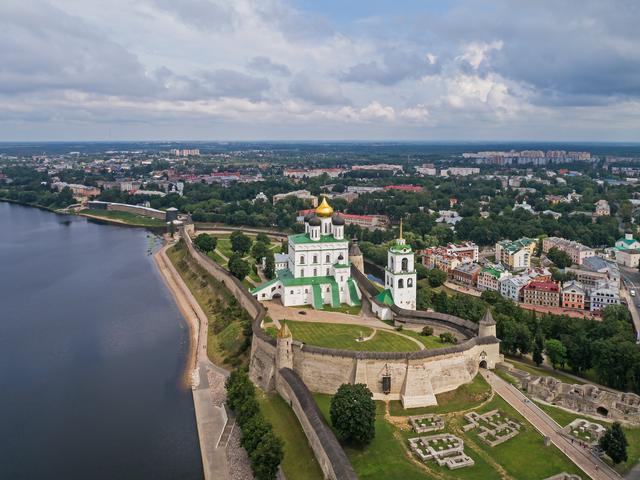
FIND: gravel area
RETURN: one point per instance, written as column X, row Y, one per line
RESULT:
column 239, row 465
column 216, row 386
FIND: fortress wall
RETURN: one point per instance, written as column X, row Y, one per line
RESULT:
column 331, row 457
column 323, row 373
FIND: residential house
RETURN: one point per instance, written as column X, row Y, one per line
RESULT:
column 573, row 295
column 546, row 294
column 490, row 276
column 466, row 273
column 515, row 255
column 575, row 250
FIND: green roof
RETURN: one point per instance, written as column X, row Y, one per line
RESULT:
column 385, row 297
column 342, row 265
column 493, row 271
column 627, row 241
column 305, row 238
column 288, row 280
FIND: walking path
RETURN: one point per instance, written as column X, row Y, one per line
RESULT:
column 592, row 466
column 210, row 418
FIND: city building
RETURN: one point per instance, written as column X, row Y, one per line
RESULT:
column 313, row 172
column 490, row 276
column 545, row 294
column 603, row 295
column 185, row 152
column 602, row 208
column 575, row 250
column 80, row 192
column 627, row 242
column 427, row 169
column 318, row 270
column 301, row 194
column 466, row 274
column 450, row 217
column 370, row 222
column 379, row 167
column 404, row 188
column 628, row 257
column 573, row 295
column 459, row 171
column 515, row 255
column 511, row 285
column 524, row 206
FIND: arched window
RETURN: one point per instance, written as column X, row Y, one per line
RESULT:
column 302, row 272
column 328, row 259
column 405, row 264
column 410, row 283
column 301, row 259
column 400, row 283
column 315, row 272
column 315, row 259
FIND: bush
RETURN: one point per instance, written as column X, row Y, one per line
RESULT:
column 238, row 267
column 436, row 277
column 614, row 443
column 448, row 337
column 427, row 331
column 353, row 413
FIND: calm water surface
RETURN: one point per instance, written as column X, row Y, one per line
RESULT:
column 92, row 349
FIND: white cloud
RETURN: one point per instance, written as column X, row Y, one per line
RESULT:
column 475, row 53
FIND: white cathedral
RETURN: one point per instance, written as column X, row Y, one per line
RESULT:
column 316, row 270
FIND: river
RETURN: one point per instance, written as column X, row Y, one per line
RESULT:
column 92, row 352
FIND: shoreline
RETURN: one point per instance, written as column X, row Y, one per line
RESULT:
column 170, row 278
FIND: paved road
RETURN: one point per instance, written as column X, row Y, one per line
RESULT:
column 592, row 466
column 210, row 418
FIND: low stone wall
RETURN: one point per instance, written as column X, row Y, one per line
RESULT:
column 465, row 327
column 330, row 455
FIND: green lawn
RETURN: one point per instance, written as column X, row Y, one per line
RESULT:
column 126, row 217
column 342, row 336
column 633, row 434
column 299, row 460
column 385, row 457
column 525, row 457
column 430, row 341
column 224, row 246
column 344, row 308
column 215, row 256
column 464, row 397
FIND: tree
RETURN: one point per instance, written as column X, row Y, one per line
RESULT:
column 436, row 277
column 254, row 429
column 556, row 352
column 264, row 238
column 266, row 457
column 427, row 331
column 353, row 413
column 240, row 243
column 490, row 296
column 614, row 443
column 205, row 243
column 560, row 258
column 238, row 267
column 270, row 265
column 259, row 251
column 538, row 350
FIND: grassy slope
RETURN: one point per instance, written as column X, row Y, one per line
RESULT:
column 203, row 287
column 299, row 460
column 126, row 217
column 331, row 335
column 464, row 397
column 532, row 369
column 430, row 341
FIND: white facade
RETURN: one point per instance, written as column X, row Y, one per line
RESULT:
column 400, row 274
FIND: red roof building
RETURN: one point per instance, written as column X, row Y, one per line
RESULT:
column 545, row 294
column 404, row 188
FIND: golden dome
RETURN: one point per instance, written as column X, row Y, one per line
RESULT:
column 324, row 209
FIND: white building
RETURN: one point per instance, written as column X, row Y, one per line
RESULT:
column 400, row 280
column 317, row 269
column 510, row 286
column 603, row 295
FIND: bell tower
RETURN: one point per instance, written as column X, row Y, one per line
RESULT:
column 400, row 274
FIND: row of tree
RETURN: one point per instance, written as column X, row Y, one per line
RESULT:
column 264, row 447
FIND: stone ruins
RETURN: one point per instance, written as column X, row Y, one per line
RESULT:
column 426, row 423
column 585, row 431
column 495, row 428
column 445, row 449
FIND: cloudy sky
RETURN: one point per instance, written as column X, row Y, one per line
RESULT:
column 310, row 69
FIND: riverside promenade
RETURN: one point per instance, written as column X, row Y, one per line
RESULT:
column 211, row 419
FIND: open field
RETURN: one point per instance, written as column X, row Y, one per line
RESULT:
column 522, row 457
column 299, row 460
column 124, row 217
column 429, row 341
column 342, row 336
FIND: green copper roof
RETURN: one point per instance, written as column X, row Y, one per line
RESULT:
column 301, row 238
column 288, row 280
column 385, row 297
column 342, row 265
column 493, row 271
